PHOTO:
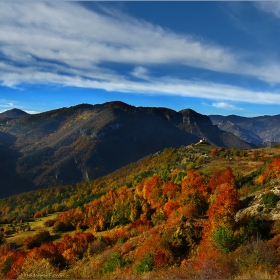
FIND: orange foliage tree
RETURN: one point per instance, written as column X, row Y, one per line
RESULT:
column 171, row 206
column 14, row 263
column 220, row 177
column 218, row 232
column 272, row 170
column 195, row 191
column 152, row 191
column 158, row 248
column 171, row 190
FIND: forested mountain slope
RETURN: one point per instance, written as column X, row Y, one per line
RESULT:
column 194, row 212
column 84, row 142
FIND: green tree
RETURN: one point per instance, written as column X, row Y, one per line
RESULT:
column 146, row 265
column 223, row 239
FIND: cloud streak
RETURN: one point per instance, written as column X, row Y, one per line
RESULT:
column 226, row 106
column 66, row 44
column 272, row 7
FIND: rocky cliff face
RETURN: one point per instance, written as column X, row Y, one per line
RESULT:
column 201, row 126
column 255, row 205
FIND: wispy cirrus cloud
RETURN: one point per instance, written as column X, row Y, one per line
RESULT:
column 5, row 104
column 64, row 43
column 66, row 34
column 272, row 7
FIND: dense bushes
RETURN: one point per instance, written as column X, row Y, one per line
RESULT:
column 59, row 226
column 2, row 238
column 49, row 223
column 146, row 264
column 258, row 255
column 270, row 199
column 37, row 239
column 113, row 262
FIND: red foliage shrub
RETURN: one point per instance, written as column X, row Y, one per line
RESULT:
column 214, row 152
column 195, row 191
column 16, row 261
column 116, row 235
column 140, row 226
column 170, row 206
column 52, row 252
column 161, row 259
column 156, row 246
column 152, row 191
column 188, row 211
column 78, row 243
column 171, row 190
column 222, row 210
column 219, row 178
column 272, row 170
column 210, row 263
column 37, row 215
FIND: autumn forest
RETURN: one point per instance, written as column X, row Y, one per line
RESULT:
column 179, row 213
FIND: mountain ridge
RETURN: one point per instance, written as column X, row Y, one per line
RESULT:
column 83, row 142
column 260, row 130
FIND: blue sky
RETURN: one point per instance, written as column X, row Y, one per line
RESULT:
column 214, row 57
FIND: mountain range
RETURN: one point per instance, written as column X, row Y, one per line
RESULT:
column 83, row 142
column 261, row 131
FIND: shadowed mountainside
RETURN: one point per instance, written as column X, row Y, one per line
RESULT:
column 84, row 142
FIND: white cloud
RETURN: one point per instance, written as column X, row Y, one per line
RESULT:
column 6, row 104
column 66, row 44
column 225, row 105
column 32, row 112
column 140, row 72
column 68, row 33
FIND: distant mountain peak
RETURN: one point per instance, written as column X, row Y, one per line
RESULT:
column 13, row 113
column 117, row 104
